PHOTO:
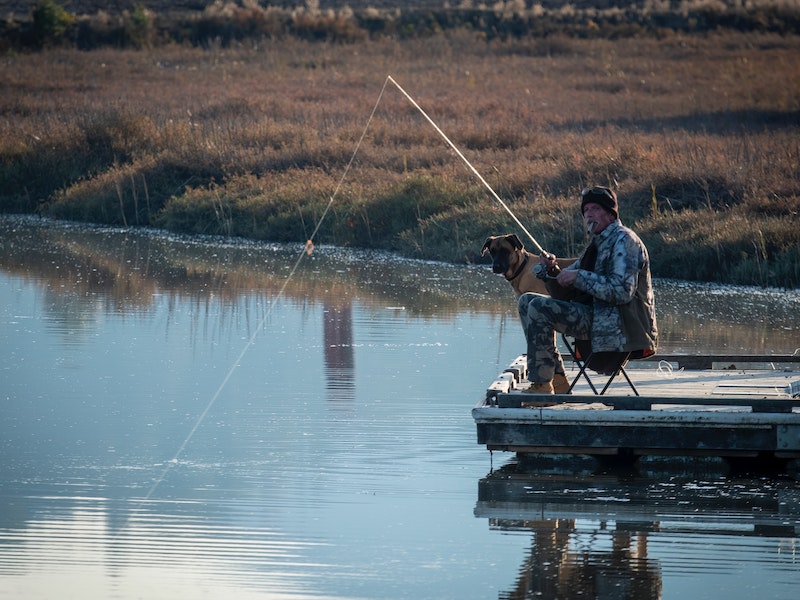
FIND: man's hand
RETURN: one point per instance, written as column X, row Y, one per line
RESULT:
column 547, row 260
column 567, row 277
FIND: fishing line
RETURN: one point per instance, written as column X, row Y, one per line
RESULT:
column 304, row 252
column 307, row 250
column 469, row 164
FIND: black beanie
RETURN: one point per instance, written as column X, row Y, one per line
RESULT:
column 601, row 195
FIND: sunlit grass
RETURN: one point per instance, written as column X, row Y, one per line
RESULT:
column 252, row 140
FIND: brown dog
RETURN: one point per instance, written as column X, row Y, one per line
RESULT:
column 510, row 258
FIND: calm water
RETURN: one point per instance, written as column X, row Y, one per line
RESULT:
column 190, row 418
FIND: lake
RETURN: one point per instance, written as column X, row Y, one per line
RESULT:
column 191, row 417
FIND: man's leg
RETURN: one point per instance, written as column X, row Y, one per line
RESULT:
column 541, row 316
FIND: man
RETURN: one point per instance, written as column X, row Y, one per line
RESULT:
column 606, row 296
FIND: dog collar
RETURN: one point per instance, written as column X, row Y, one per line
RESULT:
column 519, row 269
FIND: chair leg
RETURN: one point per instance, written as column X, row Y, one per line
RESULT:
column 624, row 374
column 627, row 378
column 583, row 365
column 608, row 383
column 630, row 383
column 582, row 371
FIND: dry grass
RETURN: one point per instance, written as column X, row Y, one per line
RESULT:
column 700, row 135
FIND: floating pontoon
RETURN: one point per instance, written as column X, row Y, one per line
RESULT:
column 712, row 405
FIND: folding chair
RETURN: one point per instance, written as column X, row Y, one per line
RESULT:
column 609, row 364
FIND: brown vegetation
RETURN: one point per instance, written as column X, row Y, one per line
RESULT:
column 700, row 135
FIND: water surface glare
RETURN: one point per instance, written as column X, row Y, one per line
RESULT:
column 183, row 420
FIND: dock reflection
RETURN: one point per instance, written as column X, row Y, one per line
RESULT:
column 592, row 532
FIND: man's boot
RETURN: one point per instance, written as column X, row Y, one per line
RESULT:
column 541, row 388
column 560, row 383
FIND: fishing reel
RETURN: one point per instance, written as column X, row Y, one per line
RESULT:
column 540, row 271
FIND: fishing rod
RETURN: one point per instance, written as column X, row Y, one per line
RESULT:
column 469, row 164
column 308, row 250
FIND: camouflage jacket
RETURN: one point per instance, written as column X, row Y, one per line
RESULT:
column 621, row 289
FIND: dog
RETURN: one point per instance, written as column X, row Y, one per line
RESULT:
column 510, row 259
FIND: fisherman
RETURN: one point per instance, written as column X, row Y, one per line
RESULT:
column 606, row 296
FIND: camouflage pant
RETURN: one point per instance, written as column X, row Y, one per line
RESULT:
column 541, row 317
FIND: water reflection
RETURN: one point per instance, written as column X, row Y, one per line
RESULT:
column 87, row 272
column 147, row 556
column 340, row 459
column 339, row 355
column 607, row 534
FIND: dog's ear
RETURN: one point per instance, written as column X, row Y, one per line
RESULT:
column 486, row 244
column 515, row 241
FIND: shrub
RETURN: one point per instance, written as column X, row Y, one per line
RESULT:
column 50, row 22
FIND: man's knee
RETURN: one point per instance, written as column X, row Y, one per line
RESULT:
column 529, row 302
column 522, row 303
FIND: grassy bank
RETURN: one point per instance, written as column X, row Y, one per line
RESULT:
column 699, row 134
column 88, row 24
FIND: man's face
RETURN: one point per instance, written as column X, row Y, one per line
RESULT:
column 596, row 218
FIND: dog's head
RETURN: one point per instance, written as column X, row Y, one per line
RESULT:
column 505, row 250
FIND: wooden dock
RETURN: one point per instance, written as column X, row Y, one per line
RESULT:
column 720, row 405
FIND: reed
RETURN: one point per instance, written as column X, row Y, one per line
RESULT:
column 698, row 133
